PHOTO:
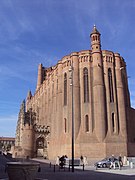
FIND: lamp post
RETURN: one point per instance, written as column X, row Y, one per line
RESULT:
column 72, row 92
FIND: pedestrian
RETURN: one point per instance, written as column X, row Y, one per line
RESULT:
column 112, row 160
column 120, row 163
column 57, row 160
column 81, row 158
column 62, row 161
column 66, row 160
column 85, row 160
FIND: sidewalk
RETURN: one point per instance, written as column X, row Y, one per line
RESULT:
column 90, row 173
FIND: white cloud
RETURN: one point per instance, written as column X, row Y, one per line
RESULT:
column 8, row 125
column 7, row 73
column 13, row 21
column 8, row 119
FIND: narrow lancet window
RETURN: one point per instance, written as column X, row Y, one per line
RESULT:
column 86, row 123
column 86, row 85
column 65, row 89
column 110, row 85
column 65, row 125
column 52, row 89
column 57, row 85
column 113, row 123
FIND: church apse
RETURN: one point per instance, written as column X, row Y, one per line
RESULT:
column 104, row 118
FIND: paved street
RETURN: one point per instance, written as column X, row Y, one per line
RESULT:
column 90, row 173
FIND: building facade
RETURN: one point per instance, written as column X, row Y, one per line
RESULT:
column 6, row 144
column 104, row 123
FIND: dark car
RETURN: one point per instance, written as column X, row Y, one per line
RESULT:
column 105, row 163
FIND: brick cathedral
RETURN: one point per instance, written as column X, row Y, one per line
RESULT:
column 89, row 86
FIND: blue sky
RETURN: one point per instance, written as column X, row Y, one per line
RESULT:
column 43, row 31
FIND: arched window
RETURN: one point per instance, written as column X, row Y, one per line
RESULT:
column 65, row 89
column 86, row 85
column 110, row 85
column 49, row 93
column 52, row 89
column 86, row 123
column 57, row 85
column 65, row 125
column 113, row 123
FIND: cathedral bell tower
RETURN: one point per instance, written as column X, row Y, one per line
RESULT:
column 98, row 86
column 95, row 41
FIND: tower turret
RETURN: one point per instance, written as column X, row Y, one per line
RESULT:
column 39, row 79
column 20, row 123
column 95, row 40
column 98, row 85
column 120, row 95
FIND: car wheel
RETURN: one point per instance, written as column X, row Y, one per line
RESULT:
column 104, row 165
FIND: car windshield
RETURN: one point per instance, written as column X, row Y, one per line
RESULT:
column 106, row 159
column 109, row 159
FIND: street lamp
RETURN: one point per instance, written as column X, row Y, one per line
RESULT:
column 72, row 92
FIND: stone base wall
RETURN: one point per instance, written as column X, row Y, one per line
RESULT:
column 131, row 149
column 17, row 152
column 116, row 149
column 89, row 150
column 22, row 153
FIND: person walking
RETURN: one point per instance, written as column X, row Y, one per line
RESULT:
column 57, row 160
column 112, row 160
column 81, row 158
column 120, row 163
column 85, row 160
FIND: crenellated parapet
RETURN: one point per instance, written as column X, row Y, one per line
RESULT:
column 42, row 129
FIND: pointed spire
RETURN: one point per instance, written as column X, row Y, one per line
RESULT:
column 22, row 107
column 94, row 31
column 29, row 95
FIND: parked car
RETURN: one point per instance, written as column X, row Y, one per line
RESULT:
column 105, row 163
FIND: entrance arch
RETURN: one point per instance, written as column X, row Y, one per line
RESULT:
column 41, row 147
